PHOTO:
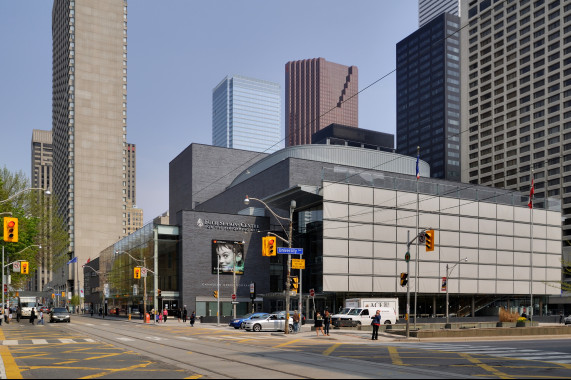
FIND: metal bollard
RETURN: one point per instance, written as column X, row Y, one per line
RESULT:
column 129, row 316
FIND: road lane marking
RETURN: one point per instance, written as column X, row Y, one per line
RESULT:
column 10, row 343
column 287, row 343
column 395, row 357
column 9, row 364
column 486, row 367
column 330, row 350
column 39, row 341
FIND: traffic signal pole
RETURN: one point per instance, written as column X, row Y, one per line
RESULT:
column 408, row 287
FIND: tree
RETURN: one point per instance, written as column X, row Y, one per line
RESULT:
column 38, row 226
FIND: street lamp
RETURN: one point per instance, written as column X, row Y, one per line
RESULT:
column 47, row 192
column 145, row 282
column 448, row 271
column 4, row 266
column 99, row 273
column 289, row 235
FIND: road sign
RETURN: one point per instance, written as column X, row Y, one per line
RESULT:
column 444, row 284
column 407, row 257
column 233, row 297
column 312, row 292
column 16, row 267
column 143, row 272
column 297, row 264
column 290, row 251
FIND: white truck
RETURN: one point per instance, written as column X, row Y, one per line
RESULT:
column 27, row 304
column 359, row 311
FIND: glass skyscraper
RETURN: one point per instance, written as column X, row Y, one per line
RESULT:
column 246, row 114
column 428, row 96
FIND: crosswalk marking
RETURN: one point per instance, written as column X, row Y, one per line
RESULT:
column 39, row 341
column 44, row 341
column 502, row 352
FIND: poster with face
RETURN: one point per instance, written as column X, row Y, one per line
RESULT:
column 226, row 254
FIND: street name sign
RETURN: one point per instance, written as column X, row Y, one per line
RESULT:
column 290, row 251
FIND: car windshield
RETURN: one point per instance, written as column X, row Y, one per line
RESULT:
column 355, row 312
column 256, row 316
column 345, row 311
column 28, row 304
column 60, row 310
column 246, row 316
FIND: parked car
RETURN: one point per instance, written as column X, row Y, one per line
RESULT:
column 282, row 314
column 567, row 320
column 60, row 314
column 272, row 322
column 240, row 322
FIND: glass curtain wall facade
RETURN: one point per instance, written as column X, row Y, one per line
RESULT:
column 430, row 9
column 428, row 96
column 246, row 114
column 116, row 270
column 517, row 59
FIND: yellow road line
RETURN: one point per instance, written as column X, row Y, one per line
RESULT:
column 486, row 367
column 287, row 343
column 395, row 357
column 12, row 370
column 194, row 377
column 330, row 350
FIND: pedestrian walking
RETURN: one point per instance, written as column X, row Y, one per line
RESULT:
column 100, row 311
column 295, row 322
column 192, row 318
column 184, row 314
column 179, row 314
column 326, row 322
column 32, row 316
column 165, row 315
column 319, row 324
column 376, row 323
column 41, row 318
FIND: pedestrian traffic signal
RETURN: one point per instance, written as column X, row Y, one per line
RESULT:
column 11, row 230
column 25, row 267
column 215, row 294
column 137, row 273
column 403, row 279
column 429, row 236
column 268, row 246
column 158, row 292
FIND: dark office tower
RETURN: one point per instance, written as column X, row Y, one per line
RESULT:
column 319, row 93
column 430, row 9
column 428, row 96
column 89, row 125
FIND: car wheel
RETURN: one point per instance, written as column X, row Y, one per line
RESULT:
column 257, row 328
column 358, row 323
column 387, row 322
column 242, row 326
column 236, row 327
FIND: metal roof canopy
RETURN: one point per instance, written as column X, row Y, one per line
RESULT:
column 304, row 196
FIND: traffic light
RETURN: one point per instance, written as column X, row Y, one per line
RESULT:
column 158, row 292
column 25, row 267
column 268, row 246
column 215, row 294
column 294, row 284
column 403, row 279
column 137, row 273
column 11, row 230
column 429, row 236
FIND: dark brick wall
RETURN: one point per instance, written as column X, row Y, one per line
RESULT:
column 196, row 261
column 203, row 171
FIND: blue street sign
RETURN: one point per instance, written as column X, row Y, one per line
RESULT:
column 290, row 251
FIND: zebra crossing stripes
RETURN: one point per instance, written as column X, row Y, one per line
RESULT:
column 502, row 352
column 39, row 342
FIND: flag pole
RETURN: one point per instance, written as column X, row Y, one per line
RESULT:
column 531, row 193
column 417, row 233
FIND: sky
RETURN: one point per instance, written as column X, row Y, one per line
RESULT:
column 179, row 50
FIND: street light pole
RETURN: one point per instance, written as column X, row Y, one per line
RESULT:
column 292, row 207
column 448, row 283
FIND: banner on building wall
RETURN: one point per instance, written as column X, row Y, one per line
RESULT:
column 226, row 254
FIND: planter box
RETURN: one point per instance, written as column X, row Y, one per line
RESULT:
column 523, row 324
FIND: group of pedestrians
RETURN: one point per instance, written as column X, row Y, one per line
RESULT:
column 182, row 315
column 39, row 316
column 323, row 323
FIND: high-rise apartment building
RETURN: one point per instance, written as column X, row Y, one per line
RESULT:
column 42, row 178
column 428, row 95
column 516, row 119
column 89, row 124
column 319, row 93
column 133, row 216
column 246, row 114
column 430, row 9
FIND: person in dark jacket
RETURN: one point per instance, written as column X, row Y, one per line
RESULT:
column 32, row 316
column 184, row 314
column 192, row 318
column 376, row 324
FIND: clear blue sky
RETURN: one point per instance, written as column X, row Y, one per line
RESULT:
column 178, row 50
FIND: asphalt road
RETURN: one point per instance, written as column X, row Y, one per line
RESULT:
column 121, row 349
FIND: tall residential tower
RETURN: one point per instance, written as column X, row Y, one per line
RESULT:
column 430, row 9
column 89, row 124
column 246, row 114
column 319, row 93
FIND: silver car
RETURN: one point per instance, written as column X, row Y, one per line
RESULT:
column 272, row 322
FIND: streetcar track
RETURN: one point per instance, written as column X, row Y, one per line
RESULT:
column 136, row 344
